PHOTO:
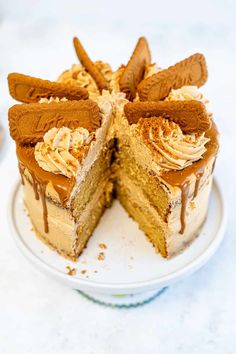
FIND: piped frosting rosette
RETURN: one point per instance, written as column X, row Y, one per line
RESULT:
column 173, row 149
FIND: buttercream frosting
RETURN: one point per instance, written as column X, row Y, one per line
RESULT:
column 78, row 75
column 63, row 150
column 173, row 149
column 187, row 93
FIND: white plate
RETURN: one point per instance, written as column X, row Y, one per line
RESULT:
column 131, row 265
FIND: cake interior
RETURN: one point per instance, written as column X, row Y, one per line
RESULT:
column 170, row 207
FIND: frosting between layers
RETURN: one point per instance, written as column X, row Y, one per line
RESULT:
column 173, row 150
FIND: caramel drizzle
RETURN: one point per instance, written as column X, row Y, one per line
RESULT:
column 42, row 190
column 184, row 200
column 62, row 185
column 40, row 180
column 180, row 179
column 198, row 175
column 174, row 178
column 35, row 185
column 62, row 193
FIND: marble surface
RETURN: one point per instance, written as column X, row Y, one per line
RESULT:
column 197, row 315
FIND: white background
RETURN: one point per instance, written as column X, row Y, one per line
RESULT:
column 198, row 315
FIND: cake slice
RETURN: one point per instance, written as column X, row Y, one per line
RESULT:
column 64, row 199
column 164, row 175
column 65, row 168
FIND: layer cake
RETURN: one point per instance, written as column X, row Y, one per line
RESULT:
column 141, row 134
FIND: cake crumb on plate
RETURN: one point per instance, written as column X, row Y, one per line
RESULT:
column 103, row 246
column 101, row 256
column 71, row 271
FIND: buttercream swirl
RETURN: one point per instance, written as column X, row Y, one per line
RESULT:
column 173, row 149
column 78, row 75
column 105, row 69
column 63, row 150
column 115, row 99
column 187, row 93
column 115, row 79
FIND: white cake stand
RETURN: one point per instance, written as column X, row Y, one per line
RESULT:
column 131, row 273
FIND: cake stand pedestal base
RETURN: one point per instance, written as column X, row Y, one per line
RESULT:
column 123, row 300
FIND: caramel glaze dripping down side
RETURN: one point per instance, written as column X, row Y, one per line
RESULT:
column 42, row 189
column 198, row 175
column 181, row 178
column 40, row 179
column 35, row 185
